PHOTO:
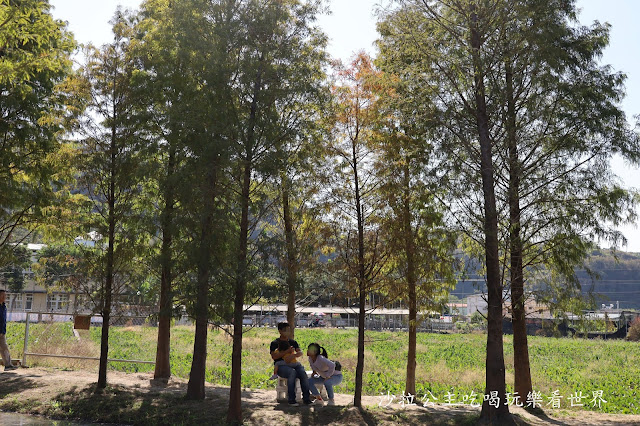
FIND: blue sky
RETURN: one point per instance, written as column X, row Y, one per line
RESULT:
column 351, row 27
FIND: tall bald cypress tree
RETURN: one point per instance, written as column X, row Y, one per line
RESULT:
column 552, row 118
column 109, row 172
column 279, row 70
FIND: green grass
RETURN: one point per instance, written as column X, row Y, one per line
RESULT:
column 445, row 363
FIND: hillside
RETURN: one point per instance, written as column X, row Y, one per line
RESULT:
column 616, row 279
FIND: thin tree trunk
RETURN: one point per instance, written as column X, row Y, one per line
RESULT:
column 163, row 366
column 523, row 385
column 357, row 397
column 104, row 339
column 410, row 387
column 195, row 388
column 108, row 283
column 235, row 402
column 362, row 287
column 292, row 263
column 234, row 413
column 495, row 370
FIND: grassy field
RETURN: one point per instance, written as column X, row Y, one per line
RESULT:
column 451, row 364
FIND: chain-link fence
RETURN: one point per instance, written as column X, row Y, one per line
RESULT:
column 50, row 338
column 71, row 341
column 386, row 323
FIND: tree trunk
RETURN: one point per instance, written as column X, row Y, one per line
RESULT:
column 362, row 287
column 104, row 339
column 357, row 396
column 235, row 402
column 495, row 371
column 234, row 413
column 410, row 387
column 163, row 366
column 108, row 282
column 523, row 384
column 292, row 262
column 195, row 388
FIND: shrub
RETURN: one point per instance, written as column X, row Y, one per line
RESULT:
column 477, row 318
column 634, row 331
column 463, row 327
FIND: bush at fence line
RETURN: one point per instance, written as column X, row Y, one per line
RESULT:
column 634, row 331
column 462, row 327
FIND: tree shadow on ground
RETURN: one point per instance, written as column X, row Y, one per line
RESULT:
column 349, row 415
column 420, row 416
column 156, row 406
column 541, row 415
column 163, row 386
column 123, row 405
column 13, row 384
column 308, row 415
column 159, row 405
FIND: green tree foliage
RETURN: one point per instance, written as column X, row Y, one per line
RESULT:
column 566, row 124
column 12, row 276
column 554, row 124
column 634, row 331
column 109, row 174
column 57, row 265
column 216, row 33
column 421, row 267
column 352, row 189
column 449, row 51
column 561, row 125
column 34, row 61
column 280, row 72
column 168, row 79
column 229, row 83
column 298, row 230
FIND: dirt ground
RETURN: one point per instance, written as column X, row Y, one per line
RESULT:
column 137, row 399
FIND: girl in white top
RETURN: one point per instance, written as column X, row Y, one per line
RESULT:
column 324, row 372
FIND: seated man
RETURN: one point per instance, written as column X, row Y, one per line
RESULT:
column 290, row 372
column 289, row 358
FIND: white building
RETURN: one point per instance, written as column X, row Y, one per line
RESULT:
column 36, row 298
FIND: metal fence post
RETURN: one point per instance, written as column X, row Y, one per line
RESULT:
column 26, row 342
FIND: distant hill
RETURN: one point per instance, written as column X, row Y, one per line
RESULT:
column 617, row 281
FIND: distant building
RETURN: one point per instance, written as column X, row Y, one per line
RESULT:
column 458, row 309
column 478, row 303
column 37, row 298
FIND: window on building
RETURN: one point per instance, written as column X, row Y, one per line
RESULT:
column 15, row 300
column 28, row 301
column 57, row 302
column 20, row 301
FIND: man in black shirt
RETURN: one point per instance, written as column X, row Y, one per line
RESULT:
column 288, row 372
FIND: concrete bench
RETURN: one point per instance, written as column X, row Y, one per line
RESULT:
column 281, row 389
